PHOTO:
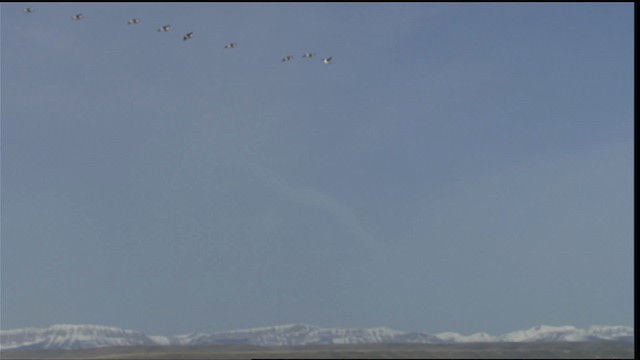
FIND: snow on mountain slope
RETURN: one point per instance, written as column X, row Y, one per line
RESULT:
column 570, row 333
column 92, row 336
column 161, row 340
column 298, row 334
column 67, row 336
column 605, row 332
column 542, row 333
column 547, row 333
column 452, row 337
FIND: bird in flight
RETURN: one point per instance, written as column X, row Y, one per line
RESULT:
column 165, row 28
column 308, row 55
column 28, row 10
column 134, row 21
column 287, row 58
column 327, row 60
column 188, row 36
column 77, row 17
column 230, row 45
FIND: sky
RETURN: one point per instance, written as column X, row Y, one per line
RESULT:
column 457, row 167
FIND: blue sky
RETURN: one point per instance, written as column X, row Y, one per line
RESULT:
column 458, row 167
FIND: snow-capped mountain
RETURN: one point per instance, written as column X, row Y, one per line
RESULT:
column 297, row 334
column 452, row 337
column 570, row 333
column 547, row 333
column 66, row 336
column 92, row 336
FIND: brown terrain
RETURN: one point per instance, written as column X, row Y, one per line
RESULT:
column 545, row 350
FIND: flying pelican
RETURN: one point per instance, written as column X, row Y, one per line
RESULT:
column 77, row 17
column 327, row 60
column 28, row 10
column 188, row 36
column 134, row 21
column 165, row 28
column 308, row 55
column 287, row 58
column 230, row 45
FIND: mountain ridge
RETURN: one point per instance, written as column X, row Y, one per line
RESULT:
column 70, row 336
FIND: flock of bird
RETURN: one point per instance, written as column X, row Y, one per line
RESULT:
column 189, row 35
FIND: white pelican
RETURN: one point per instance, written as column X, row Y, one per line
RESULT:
column 188, row 36
column 165, row 28
column 230, row 45
column 327, row 60
column 28, row 10
column 308, row 55
column 287, row 58
column 77, row 17
column 134, row 21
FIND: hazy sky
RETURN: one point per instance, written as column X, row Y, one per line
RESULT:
column 458, row 167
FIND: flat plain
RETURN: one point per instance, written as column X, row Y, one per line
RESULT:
column 546, row 350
